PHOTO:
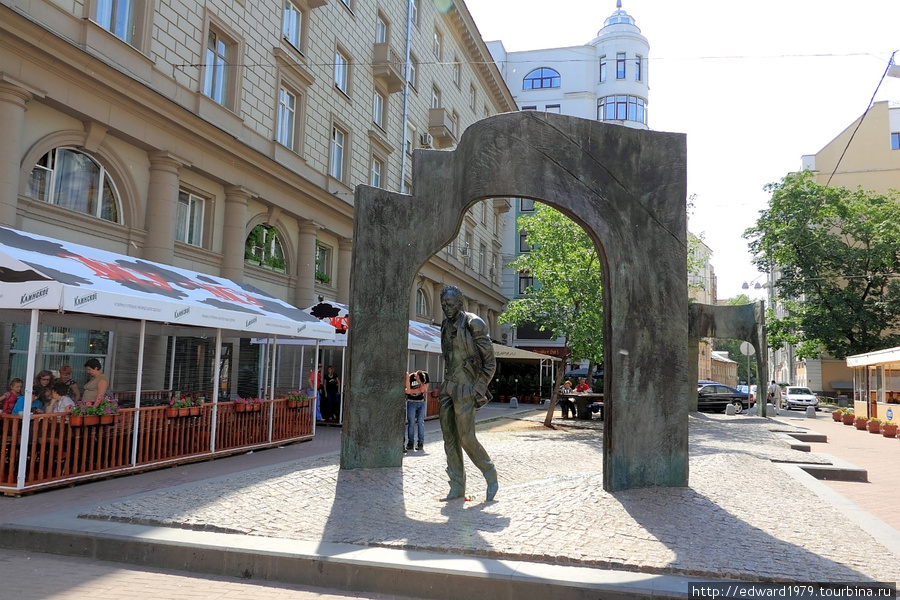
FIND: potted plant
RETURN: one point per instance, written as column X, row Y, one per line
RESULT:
column 256, row 404
column 107, row 407
column 847, row 416
column 860, row 422
column 176, row 405
column 874, row 425
column 837, row 414
column 297, row 399
column 241, row 404
column 194, row 408
column 889, row 429
column 76, row 416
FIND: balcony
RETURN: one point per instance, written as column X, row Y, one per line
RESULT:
column 441, row 127
column 387, row 65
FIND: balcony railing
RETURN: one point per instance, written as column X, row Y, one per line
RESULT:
column 388, row 66
column 441, row 127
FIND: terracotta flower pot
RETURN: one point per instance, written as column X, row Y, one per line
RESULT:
column 256, row 407
column 240, row 407
column 847, row 419
column 861, row 423
column 836, row 416
column 171, row 412
column 107, row 419
column 76, row 421
column 184, row 412
column 874, row 427
column 194, row 411
column 91, row 420
column 889, row 431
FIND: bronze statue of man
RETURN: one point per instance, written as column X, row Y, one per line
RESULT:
column 469, row 365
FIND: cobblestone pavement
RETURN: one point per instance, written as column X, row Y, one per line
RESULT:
column 551, row 506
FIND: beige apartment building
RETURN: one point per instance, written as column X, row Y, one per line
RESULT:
column 227, row 137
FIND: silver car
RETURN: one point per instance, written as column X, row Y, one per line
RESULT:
column 798, row 397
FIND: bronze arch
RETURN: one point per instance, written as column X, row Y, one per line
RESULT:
column 627, row 188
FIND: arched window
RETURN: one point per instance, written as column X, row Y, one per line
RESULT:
column 263, row 248
column 421, row 303
column 74, row 180
column 541, row 78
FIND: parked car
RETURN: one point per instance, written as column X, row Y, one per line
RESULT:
column 798, row 397
column 749, row 390
column 717, row 396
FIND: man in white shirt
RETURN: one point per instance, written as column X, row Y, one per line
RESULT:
column 773, row 395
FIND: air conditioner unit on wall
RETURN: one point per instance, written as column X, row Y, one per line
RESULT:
column 426, row 140
column 464, row 251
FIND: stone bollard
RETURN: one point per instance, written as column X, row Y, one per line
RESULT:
column 810, row 412
column 729, row 410
column 514, row 402
column 772, row 408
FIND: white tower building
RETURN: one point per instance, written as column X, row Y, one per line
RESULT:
column 605, row 79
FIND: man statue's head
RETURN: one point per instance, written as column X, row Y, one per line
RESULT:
column 451, row 301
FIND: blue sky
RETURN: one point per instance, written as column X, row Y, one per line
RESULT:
column 754, row 85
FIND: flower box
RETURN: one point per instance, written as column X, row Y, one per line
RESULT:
column 860, row 423
column 889, row 430
column 874, row 425
column 847, row 418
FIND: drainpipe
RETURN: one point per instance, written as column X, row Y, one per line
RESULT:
column 404, row 157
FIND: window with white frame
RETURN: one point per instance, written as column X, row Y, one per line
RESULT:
column 449, row 248
column 435, row 97
column 381, row 29
column 421, row 303
column 348, row 4
column 552, row 108
column 454, row 124
column 470, row 248
column 336, row 167
column 437, row 42
column 457, row 71
column 414, row 11
column 323, row 263
column 286, row 119
column 218, row 62
column 472, row 97
column 482, row 255
column 406, row 188
column 622, row 108
column 263, row 248
column 620, row 65
column 484, row 205
column 341, row 71
column 189, row 218
column 410, row 142
column 638, row 67
column 120, row 17
column 541, row 78
column 526, row 205
column 895, row 141
column 377, row 170
column 603, row 68
column 412, row 68
column 71, row 179
column 529, row 107
column 378, row 106
column 292, row 25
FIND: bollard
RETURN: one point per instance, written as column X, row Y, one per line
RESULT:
column 771, row 407
column 513, row 402
column 729, row 410
column 810, row 412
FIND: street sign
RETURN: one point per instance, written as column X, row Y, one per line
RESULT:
column 747, row 349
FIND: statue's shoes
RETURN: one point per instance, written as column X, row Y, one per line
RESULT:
column 453, row 495
column 492, row 490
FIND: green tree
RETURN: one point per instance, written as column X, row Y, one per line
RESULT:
column 837, row 253
column 565, row 298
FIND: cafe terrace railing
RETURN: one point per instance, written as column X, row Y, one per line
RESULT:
column 59, row 453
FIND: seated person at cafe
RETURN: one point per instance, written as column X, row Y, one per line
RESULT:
column 8, row 400
column 893, row 398
column 60, row 401
column 36, row 405
column 582, row 386
column 565, row 402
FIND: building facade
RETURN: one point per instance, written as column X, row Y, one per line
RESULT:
column 228, row 138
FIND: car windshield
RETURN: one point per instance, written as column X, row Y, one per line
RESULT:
column 796, row 390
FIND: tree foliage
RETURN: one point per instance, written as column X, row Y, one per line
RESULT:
column 566, row 296
column 837, row 254
column 733, row 347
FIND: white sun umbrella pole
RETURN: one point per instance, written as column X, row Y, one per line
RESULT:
column 216, row 375
column 172, row 364
column 137, row 394
column 271, row 395
column 29, row 386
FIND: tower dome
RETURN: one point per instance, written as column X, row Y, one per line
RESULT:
column 618, row 17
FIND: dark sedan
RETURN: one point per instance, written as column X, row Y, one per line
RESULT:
column 717, row 396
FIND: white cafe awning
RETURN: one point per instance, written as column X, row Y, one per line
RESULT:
column 42, row 273
column 517, row 354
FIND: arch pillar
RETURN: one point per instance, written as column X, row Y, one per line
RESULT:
column 14, row 98
column 305, row 291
